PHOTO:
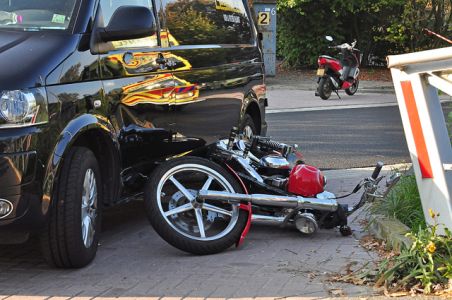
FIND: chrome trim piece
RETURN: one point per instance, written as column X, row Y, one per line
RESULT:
column 268, row 218
column 326, row 204
column 11, row 207
column 275, row 162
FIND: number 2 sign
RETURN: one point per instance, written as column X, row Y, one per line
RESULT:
column 263, row 18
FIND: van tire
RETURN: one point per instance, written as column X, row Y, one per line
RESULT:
column 247, row 126
column 62, row 243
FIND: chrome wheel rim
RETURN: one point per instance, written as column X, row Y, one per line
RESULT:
column 196, row 220
column 89, row 208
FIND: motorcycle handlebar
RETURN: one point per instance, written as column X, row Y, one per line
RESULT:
column 377, row 170
column 262, row 141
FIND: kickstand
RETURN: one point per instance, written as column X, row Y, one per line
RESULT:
column 337, row 93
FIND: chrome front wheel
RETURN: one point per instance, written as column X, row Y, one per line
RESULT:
column 200, row 227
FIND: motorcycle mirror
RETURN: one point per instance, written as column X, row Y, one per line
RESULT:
column 329, row 38
column 393, row 179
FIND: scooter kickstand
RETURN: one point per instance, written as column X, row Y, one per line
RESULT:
column 337, row 93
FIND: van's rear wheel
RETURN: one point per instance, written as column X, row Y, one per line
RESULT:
column 71, row 237
column 198, row 227
column 247, row 127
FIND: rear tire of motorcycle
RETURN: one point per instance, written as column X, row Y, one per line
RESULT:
column 353, row 89
column 325, row 88
column 173, row 237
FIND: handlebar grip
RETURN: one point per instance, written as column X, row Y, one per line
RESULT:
column 377, row 170
column 285, row 149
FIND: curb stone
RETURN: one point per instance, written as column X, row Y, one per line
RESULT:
column 391, row 230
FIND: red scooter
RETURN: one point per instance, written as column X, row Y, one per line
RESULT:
column 339, row 74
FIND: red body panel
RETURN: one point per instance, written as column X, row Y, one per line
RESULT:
column 346, row 85
column 331, row 63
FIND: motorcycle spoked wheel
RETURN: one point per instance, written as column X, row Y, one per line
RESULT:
column 196, row 227
column 325, row 88
column 353, row 89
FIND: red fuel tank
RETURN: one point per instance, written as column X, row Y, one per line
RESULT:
column 306, row 181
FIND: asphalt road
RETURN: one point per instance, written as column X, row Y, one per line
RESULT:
column 346, row 138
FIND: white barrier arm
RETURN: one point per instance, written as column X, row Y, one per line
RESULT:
column 417, row 78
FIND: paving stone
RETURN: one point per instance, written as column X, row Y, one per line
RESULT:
column 134, row 262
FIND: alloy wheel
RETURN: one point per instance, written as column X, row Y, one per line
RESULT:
column 89, row 208
column 197, row 220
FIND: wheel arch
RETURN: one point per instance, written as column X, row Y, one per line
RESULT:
column 97, row 134
column 252, row 109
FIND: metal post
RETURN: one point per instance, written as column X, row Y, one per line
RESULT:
column 417, row 78
column 266, row 22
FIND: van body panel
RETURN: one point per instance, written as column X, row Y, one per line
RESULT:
column 29, row 57
column 218, row 80
column 141, row 102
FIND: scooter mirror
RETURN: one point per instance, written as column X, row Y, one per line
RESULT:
column 329, row 38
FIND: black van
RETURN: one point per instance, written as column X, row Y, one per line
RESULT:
column 94, row 92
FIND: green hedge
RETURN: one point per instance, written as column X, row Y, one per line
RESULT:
column 381, row 27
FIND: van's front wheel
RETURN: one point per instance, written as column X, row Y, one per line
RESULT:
column 71, row 237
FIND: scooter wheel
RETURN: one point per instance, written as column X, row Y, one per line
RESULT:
column 197, row 227
column 345, row 230
column 353, row 89
column 325, row 88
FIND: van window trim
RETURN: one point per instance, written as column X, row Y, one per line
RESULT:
column 210, row 46
column 254, row 32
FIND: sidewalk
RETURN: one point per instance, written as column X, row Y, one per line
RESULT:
column 291, row 94
column 132, row 261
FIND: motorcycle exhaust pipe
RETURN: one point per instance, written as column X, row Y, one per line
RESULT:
column 268, row 219
column 271, row 200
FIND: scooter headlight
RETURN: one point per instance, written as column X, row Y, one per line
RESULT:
column 23, row 107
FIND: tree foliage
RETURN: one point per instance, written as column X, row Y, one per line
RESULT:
column 381, row 27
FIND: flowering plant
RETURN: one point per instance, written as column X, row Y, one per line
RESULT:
column 426, row 266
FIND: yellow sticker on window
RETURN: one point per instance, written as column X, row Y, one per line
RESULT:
column 60, row 19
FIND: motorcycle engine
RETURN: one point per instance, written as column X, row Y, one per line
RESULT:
column 306, row 181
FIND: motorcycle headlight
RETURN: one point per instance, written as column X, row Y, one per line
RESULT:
column 23, row 107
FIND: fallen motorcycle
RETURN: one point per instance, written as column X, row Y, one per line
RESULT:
column 204, row 206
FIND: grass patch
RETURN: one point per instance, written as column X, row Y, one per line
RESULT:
column 403, row 203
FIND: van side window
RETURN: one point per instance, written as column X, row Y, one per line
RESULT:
column 201, row 22
column 109, row 7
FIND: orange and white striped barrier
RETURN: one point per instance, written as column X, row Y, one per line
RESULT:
column 417, row 78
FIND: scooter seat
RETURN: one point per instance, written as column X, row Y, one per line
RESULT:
column 328, row 57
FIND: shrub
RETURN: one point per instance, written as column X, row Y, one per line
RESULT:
column 403, row 203
column 426, row 266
